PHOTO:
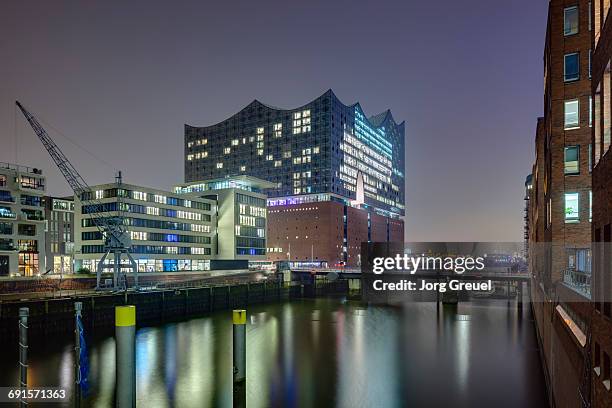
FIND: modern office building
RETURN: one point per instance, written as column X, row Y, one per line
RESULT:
column 601, row 323
column 22, row 222
column 59, row 234
column 560, row 206
column 169, row 232
column 240, row 214
column 215, row 224
column 338, row 175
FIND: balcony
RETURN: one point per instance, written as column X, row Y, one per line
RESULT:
column 29, row 215
column 7, row 214
column 6, row 198
column 19, row 168
column 7, row 245
column 579, row 281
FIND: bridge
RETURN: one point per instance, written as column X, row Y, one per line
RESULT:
column 483, row 275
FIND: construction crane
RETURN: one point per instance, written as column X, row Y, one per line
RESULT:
column 117, row 240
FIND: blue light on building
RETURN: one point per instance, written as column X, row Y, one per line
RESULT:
column 316, row 152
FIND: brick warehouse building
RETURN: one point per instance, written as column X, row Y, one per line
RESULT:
column 339, row 174
column 560, row 206
column 601, row 326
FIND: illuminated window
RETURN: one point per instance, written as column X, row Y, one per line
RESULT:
column 235, row 142
column 138, row 195
column 301, row 122
column 278, row 130
column 190, row 157
column 590, row 206
column 152, row 211
column 200, row 228
column 99, row 194
column 247, row 220
column 571, row 114
column 572, row 154
column 158, row 198
column 260, row 152
column 287, row 155
column 219, row 165
column 278, row 163
column 189, row 215
column 315, row 150
column 590, row 111
column 242, row 168
column 138, row 235
column 270, row 157
column 572, row 207
column 570, row 20
column 227, row 150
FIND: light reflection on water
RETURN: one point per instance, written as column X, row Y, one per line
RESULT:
column 316, row 353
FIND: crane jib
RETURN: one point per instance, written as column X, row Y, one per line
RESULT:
column 116, row 238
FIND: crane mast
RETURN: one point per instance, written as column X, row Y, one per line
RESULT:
column 117, row 240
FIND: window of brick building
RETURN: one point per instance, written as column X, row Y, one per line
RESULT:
column 572, row 213
column 572, row 162
column 572, row 118
column 570, row 20
column 571, row 67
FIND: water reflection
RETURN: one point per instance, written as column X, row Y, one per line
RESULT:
column 319, row 353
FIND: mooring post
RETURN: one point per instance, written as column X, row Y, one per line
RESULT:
column 23, row 352
column 78, row 306
column 125, row 355
column 239, row 358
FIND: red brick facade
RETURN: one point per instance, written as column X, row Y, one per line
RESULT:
column 601, row 323
column 316, row 231
column 556, row 232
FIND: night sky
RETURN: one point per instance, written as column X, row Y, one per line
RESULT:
column 121, row 78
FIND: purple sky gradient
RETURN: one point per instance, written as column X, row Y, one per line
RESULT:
column 121, row 79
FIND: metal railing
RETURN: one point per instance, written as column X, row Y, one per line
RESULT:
column 578, row 280
column 20, row 168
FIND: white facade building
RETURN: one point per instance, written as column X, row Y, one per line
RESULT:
column 22, row 221
column 169, row 232
column 241, row 214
